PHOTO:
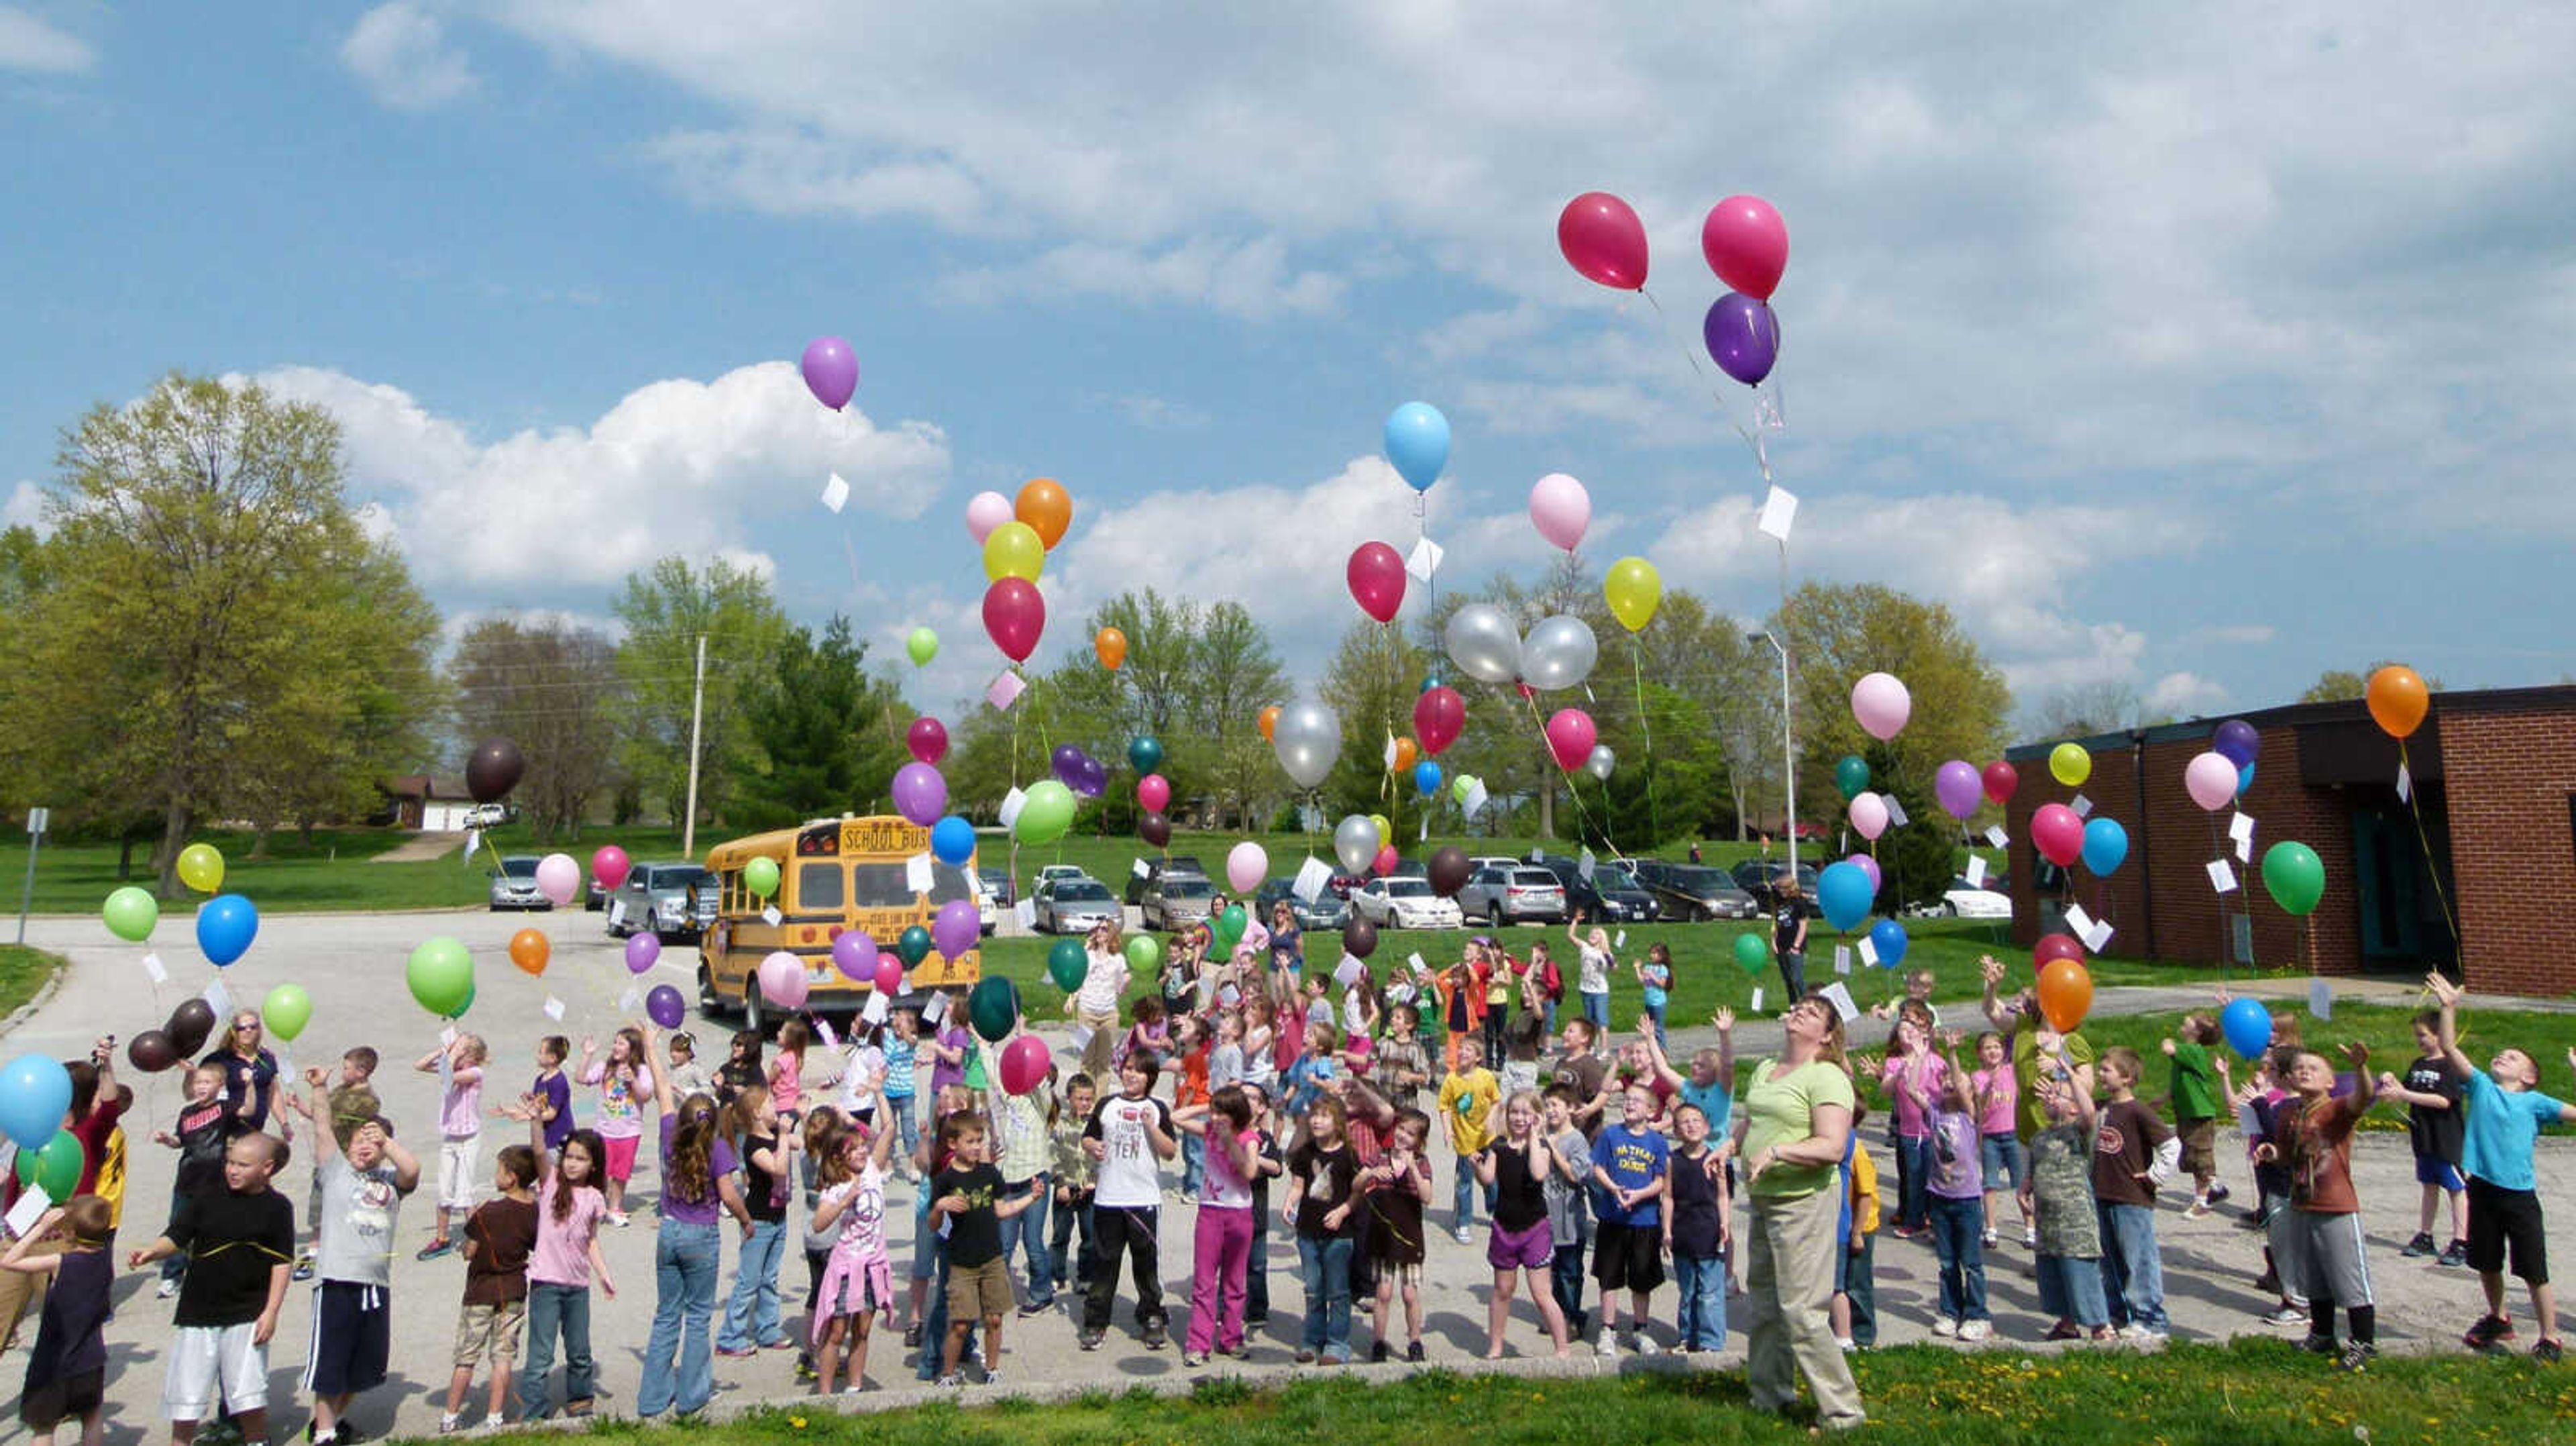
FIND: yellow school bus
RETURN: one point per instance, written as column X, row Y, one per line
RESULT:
column 833, row 874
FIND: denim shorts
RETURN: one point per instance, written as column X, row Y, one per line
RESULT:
column 2002, row 1156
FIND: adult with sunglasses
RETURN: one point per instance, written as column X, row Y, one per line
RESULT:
column 1094, row 1006
column 250, row 1077
column 1790, row 1129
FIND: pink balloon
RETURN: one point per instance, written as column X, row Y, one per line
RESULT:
column 2058, row 834
column 1561, row 510
column 1377, row 580
column 1881, row 705
column 1246, row 864
column 1154, row 793
column 609, row 865
column 1570, row 737
column 889, row 980
column 1747, row 245
column 1958, row 788
column 1603, row 239
column 558, row 877
column 928, row 739
column 782, row 981
column 1866, row 865
column 2211, row 781
column 1868, row 815
column 1024, row 1064
column 1386, row 861
column 1014, row 616
column 984, row 512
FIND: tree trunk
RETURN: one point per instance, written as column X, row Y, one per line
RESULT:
column 1546, row 807
column 125, row 855
column 165, row 859
column 1738, row 790
column 304, row 834
column 259, row 844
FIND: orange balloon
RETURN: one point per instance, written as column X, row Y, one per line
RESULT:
column 1270, row 722
column 1111, row 645
column 2397, row 700
column 1047, row 507
column 2065, row 994
column 529, row 950
column 1406, row 755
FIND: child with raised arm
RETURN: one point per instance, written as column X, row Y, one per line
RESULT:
column 2503, row 1111
column 1517, row 1167
column 1398, row 1189
column 1655, row 981
column 240, row 1242
column 363, row 1187
column 499, row 1236
column 2001, row 1158
column 858, row 1278
column 1592, row 973
column 1954, row 1188
column 459, row 1067
column 2316, row 1144
column 1912, row 1076
column 67, row 1369
column 549, row 1098
column 2431, row 1092
column 1222, row 1247
column 207, row 1125
column 2195, row 1092
column 966, row 1200
column 626, row 1079
column 2058, row 1198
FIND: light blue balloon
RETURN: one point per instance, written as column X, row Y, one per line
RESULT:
column 952, row 840
column 226, row 924
column 1426, row 778
column 2106, row 845
column 35, row 1091
column 1417, row 442
column 1843, row 892
column 2247, row 1025
column 2244, row 779
column 1887, row 938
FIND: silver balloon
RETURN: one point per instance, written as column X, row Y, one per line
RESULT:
column 1601, row 762
column 1484, row 643
column 1355, row 843
column 1307, row 739
column 1558, row 653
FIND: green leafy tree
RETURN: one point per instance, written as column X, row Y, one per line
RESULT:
column 2338, row 685
column 554, row 690
column 1370, row 683
column 830, row 736
column 666, row 610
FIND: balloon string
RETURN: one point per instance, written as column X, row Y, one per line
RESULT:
column 1717, row 395
column 2424, row 841
column 2226, row 942
column 1582, row 816
column 1645, row 730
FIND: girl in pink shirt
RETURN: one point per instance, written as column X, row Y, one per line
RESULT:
column 1911, row 1074
column 560, row 1269
column 787, row 1072
column 1999, row 1151
column 625, row 1081
column 858, row 1280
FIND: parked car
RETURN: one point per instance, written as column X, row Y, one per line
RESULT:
column 1520, row 894
column 1694, row 891
column 997, row 882
column 1494, row 861
column 1963, row 900
column 1610, row 896
column 1074, row 905
column 671, row 902
column 1758, row 877
column 1402, row 901
column 1176, row 901
column 992, row 896
column 594, row 895
column 1329, row 911
column 514, row 885
column 1156, row 868
column 1052, row 872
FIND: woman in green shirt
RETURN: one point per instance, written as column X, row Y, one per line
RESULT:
column 1793, row 1125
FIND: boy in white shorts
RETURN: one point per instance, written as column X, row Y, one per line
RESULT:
column 240, row 1240
column 459, row 1067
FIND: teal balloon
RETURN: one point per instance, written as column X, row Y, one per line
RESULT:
column 1851, row 775
column 1067, row 964
column 1145, row 753
column 2106, row 845
column 993, row 1008
column 1426, row 778
column 1046, row 811
column 913, row 945
column 1843, row 892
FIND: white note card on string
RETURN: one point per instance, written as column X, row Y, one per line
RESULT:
column 1011, row 805
column 630, row 1001
column 1996, row 837
column 1895, row 811
column 2222, row 876
column 1976, row 872
column 1424, row 561
column 2320, row 999
column 2405, row 783
column 31, row 1207
column 2082, row 806
column 1005, row 691
column 1779, row 513
column 874, row 1012
column 836, row 493
column 1842, row 959
column 1840, row 998
column 1756, row 1006
column 772, row 917
column 1868, row 952
column 2097, row 938
column 554, row 1009
column 916, row 873
column 154, row 970
column 2078, row 922
column 1313, row 877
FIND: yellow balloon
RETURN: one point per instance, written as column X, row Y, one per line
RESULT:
column 201, row 867
column 1385, row 830
column 1013, row 550
column 2069, row 764
column 1634, row 590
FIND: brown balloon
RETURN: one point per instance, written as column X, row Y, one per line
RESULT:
column 1448, row 870
column 189, row 1027
column 1155, row 829
column 1359, row 938
column 151, row 1051
column 493, row 770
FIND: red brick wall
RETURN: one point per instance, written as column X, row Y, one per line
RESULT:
column 2508, row 776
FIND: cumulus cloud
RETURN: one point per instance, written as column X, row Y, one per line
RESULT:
column 402, row 54
column 1253, row 280
column 25, row 507
column 2184, row 695
column 29, row 42
column 676, row 466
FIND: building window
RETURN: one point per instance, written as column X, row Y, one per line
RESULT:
column 2242, row 927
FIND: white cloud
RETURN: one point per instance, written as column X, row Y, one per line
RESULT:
column 676, row 466
column 402, row 54
column 25, row 508
column 1252, row 279
column 29, row 42
column 2185, row 695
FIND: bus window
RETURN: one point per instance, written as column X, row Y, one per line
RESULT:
column 948, row 883
column 818, row 886
column 879, row 886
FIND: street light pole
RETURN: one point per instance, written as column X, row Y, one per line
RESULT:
column 1788, row 749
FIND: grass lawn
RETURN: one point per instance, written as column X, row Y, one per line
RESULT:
column 23, row 971
column 2255, row 1393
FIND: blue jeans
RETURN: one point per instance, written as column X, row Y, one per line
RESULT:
column 1193, row 1164
column 1326, row 1265
column 1655, row 1012
column 1702, row 1321
column 1596, row 1011
column 1256, row 1271
column 2133, row 1274
column 1958, row 1239
column 1028, row 1231
column 1069, row 1215
column 685, row 1261
column 1913, row 1180
column 552, row 1309
column 2070, row 1288
column 1463, row 1202
column 2002, row 1161
column 908, row 1130
column 751, row 1313
column 1565, row 1281
column 1858, row 1281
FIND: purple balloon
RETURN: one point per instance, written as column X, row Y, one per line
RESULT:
column 1867, row 866
column 665, row 1006
column 1743, row 337
column 1093, row 780
column 2237, row 742
column 957, row 928
column 920, row 794
column 855, row 955
column 1066, row 764
column 831, row 371
column 643, row 951
column 1959, row 788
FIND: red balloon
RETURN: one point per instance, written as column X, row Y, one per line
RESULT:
column 1603, row 239
column 2058, row 833
column 2001, row 780
column 1437, row 716
column 1024, row 1064
column 2053, row 947
column 1570, row 737
column 928, row 740
column 889, row 977
column 1387, row 860
column 1014, row 616
column 1377, row 580
column 1747, row 245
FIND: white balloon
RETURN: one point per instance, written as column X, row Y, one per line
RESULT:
column 1307, row 739
column 1601, row 762
column 1355, row 843
column 1484, row 643
column 1558, row 653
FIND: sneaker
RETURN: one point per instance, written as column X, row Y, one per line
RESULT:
column 1037, row 1307
column 2547, row 1351
column 435, row 1249
column 1466, row 1236
column 447, row 1423
column 992, row 1377
column 1845, row 1342
column 2419, row 1247
column 2217, row 1194
column 1944, row 1327
column 621, row 1220
column 1089, row 1340
column 2490, row 1332
column 1155, row 1340
column 1242, row 1351
column 2030, row 1237
column 736, row 1353
column 2065, row 1330
column 2196, row 1210
column 805, row 1369
column 1907, row 1232
column 2357, row 1356
column 1381, row 1353
column 1194, row 1359
column 1644, row 1345
column 1607, row 1348
column 1976, row 1330
column 2454, row 1255
column 2288, row 1315
column 2134, row 1331
column 1990, row 1240
column 2317, row 1345
column 1413, row 1351
column 303, row 1270
column 168, row 1289
column 912, row 1337
column 953, row 1378
column 494, row 1422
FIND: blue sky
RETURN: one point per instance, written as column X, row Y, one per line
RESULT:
column 2187, row 350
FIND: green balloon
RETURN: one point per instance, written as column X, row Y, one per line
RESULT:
column 2295, row 876
column 923, row 646
column 1751, row 953
column 1230, row 926
column 441, row 975
column 1067, row 964
column 1145, row 954
column 1851, row 776
column 761, row 877
column 1458, row 787
column 913, row 946
column 287, row 1010
column 465, row 1003
column 131, row 912
column 1046, row 811
column 993, row 1008
column 54, row 1166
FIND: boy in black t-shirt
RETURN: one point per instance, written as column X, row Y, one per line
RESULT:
column 241, row 1246
column 206, row 1124
column 966, row 1198
column 2431, row 1090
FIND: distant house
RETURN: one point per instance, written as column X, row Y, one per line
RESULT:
column 428, row 803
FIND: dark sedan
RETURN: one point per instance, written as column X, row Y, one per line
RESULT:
column 1695, row 891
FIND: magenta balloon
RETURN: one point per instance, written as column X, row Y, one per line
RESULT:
column 2211, row 781
column 920, row 794
column 889, row 980
column 2002, row 780
column 1154, row 793
column 1024, row 1064
column 855, row 955
column 643, row 951
column 928, row 739
column 1743, row 337
column 609, row 866
column 1603, row 239
column 1376, row 577
column 831, row 371
column 1570, row 737
column 1866, row 865
column 1014, row 617
column 2058, row 834
column 1747, row 245
column 1958, row 788
column 957, row 928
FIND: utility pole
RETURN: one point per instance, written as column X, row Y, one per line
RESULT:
column 36, row 818
column 1788, row 749
column 697, row 712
